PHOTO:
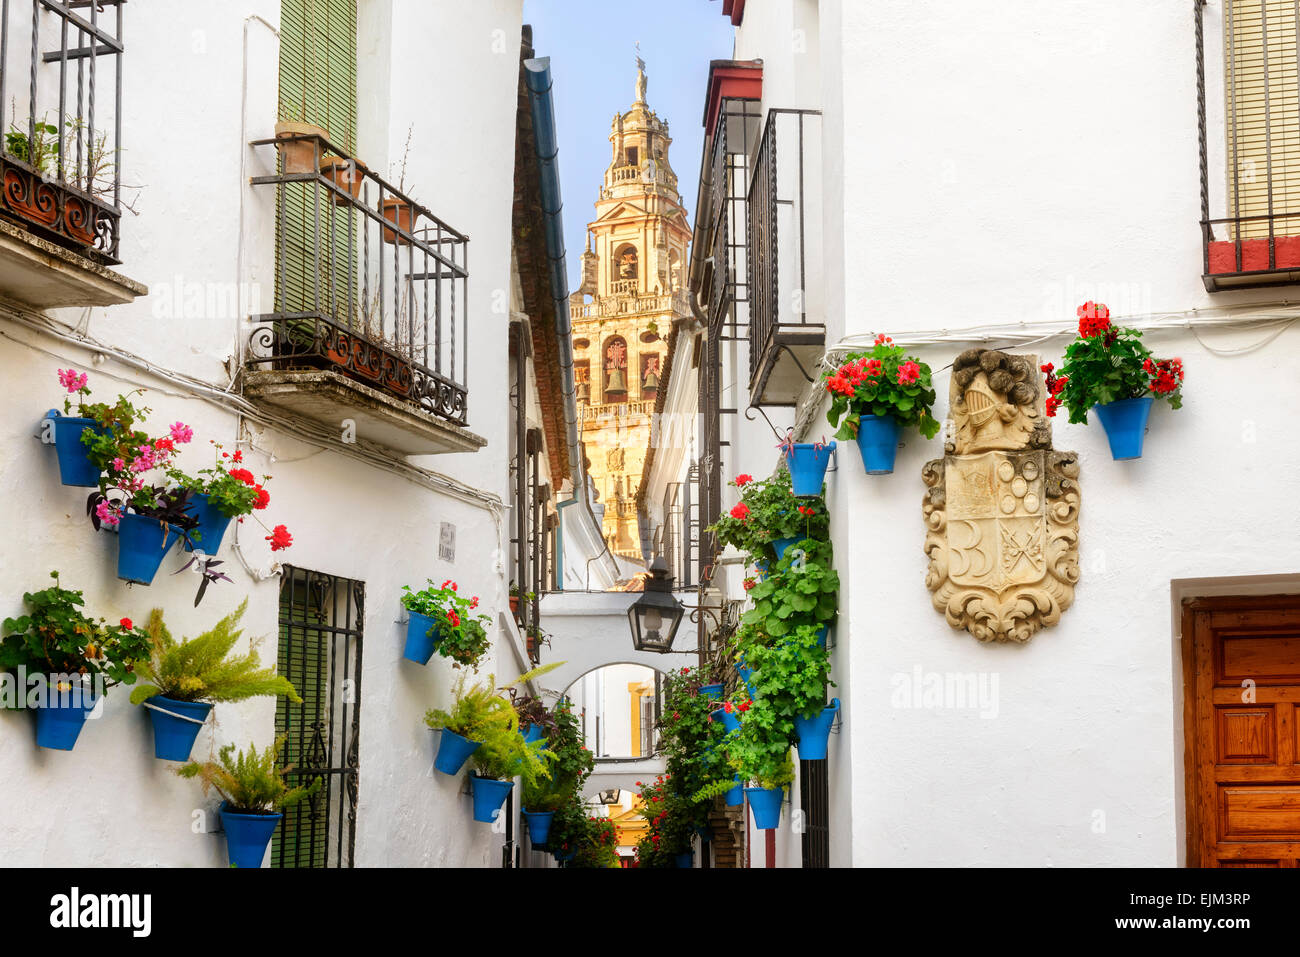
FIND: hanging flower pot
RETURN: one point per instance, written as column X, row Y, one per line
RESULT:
column 247, row 836
column 808, row 462
column 142, row 543
column 75, row 467
column 489, row 796
column 535, row 732
column 211, row 528
column 346, row 174
column 1125, row 423
column 421, row 638
column 685, row 861
column 878, row 442
column 176, row 725
column 539, row 825
column 766, row 805
column 813, row 734
column 745, row 675
column 736, row 795
column 711, row 691
column 402, row 214
column 781, row 544
column 60, row 720
column 563, row 857
column 453, row 751
column 730, row 720
column 298, row 156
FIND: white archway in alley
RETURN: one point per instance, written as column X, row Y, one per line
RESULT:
column 589, row 631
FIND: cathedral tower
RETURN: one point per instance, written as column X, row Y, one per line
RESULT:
column 632, row 289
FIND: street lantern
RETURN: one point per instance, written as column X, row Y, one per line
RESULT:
column 656, row 614
column 611, row 796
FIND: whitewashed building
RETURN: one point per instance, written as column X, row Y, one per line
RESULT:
column 959, row 176
column 412, row 431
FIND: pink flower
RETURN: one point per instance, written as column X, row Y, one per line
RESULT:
column 908, row 373
column 118, row 465
column 107, row 514
column 181, row 432
column 71, row 380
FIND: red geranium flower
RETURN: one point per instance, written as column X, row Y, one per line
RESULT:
column 743, row 479
column 279, row 538
column 243, row 475
column 1094, row 319
column 908, row 373
column 741, row 512
column 127, row 624
column 261, row 497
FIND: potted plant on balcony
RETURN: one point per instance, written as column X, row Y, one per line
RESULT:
column 874, row 395
column 1107, row 369
column 399, row 209
column 299, row 156
column 255, row 795
column 439, row 618
column 347, row 174
column 65, row 661
column 185, row 679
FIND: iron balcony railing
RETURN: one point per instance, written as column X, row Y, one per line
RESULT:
column 369, row 283
column 1257, row 239
column 61, row 112
column 737, row 126
column 779, row 203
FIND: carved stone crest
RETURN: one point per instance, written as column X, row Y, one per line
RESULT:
column 1002, row 507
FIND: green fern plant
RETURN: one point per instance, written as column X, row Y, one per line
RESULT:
column 249, row 780
column 202, row 668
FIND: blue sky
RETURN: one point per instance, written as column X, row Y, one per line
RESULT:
column 592, row 46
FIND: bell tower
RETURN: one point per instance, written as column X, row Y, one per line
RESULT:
column 632, row 290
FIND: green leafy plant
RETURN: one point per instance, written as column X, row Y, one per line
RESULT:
column 790, row 674
column 39, row 151
column 802, row 588
column 232, row 491
column 58, row 638
column 760, row 749
column 591, row 840
column 462, row 637
column 202, row 668
column 1108, row 363
column 250, row 781
column 883, row 381
column 767, row 511
column 571, row 763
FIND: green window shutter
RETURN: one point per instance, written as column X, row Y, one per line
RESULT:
column 318, row 84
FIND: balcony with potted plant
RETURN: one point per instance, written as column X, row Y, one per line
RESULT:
column 61, row 113
column 370, row 314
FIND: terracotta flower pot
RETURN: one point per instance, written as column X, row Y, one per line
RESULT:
column 300, row 156
column 400, row 213
column 346, row 174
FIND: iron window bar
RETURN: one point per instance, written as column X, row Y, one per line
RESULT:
column 384, row 301
column 64, row 185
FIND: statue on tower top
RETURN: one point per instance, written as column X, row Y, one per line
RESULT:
column 640, row 75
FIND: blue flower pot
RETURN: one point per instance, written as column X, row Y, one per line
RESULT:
column 173, row 737
column 75, row 467
column 247, row 836
column 766, row 805
column 453, row 751
column 60, row 720
column 711, row 691
column 539, row 825
column 1125, row 423
column 421, row 638
column 878, row 443
column 822, row 632
column 142, row 543
column 761, row 568
column 212, row 525
column 745, row 675
column 489, row 796
column 781, row 544
column 534, row 733
column 729, row 720
column 685, row 861
column 808, row 467
column 563, row 857
column 814, row 734
column 736, row 795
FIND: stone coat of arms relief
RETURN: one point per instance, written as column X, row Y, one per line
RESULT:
column 1002, row 506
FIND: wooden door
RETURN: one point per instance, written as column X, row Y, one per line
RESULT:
column 1241, row 666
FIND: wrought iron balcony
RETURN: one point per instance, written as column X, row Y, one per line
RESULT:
column 63, row 127
column 786, row 332
column 370, row 303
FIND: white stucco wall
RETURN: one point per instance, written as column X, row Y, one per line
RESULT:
column 1005, row 166
column 184, row 143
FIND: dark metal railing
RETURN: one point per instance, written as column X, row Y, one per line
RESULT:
column 777, row 217
column 61, row 155
column 1247, row 242
column 738, row 122
column 369, row 283
column 814, row 801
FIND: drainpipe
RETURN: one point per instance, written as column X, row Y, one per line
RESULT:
column 537, row 75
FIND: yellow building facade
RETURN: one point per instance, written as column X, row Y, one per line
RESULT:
column 633, row 274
